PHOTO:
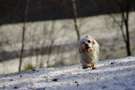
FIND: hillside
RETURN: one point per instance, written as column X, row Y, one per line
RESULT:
column 110, row 75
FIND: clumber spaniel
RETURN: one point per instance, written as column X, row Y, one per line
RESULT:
column 89, row 52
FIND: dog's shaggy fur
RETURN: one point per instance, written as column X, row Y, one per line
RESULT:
column 89, row 52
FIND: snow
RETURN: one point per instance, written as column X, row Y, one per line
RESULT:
column 113, row 74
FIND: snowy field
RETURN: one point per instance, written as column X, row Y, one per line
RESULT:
column 113, row 74
column 61, row 32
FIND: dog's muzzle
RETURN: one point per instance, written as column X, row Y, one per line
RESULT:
column 87, row 48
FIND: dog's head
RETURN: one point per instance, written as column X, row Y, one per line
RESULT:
column 86, row 44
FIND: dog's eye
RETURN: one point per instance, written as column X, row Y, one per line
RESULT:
column 82, row 42
column 89, row 41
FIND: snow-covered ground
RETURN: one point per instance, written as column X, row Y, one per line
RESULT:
column 113, row 74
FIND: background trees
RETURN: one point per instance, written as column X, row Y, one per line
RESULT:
column 124, row 8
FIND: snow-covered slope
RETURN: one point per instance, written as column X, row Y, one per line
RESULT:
column 113, row 74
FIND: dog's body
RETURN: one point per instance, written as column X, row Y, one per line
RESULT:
column 89, row 52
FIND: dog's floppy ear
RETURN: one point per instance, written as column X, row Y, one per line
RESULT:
column 79, row 47
column 93, row 42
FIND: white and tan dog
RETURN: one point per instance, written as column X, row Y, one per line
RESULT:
column 89, row 52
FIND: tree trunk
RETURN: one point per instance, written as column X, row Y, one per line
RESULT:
column 124, row 7
column 23, row 33
column 75, row 20
column 127, row 29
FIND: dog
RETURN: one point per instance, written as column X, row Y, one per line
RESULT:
column 89, row 52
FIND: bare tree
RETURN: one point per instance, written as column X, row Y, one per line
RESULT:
column 124, row 8
column 75, row 19
column 52, row 38
column 23, row 33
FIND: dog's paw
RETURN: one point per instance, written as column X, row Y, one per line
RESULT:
column 93, row 68
column 84, row 67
